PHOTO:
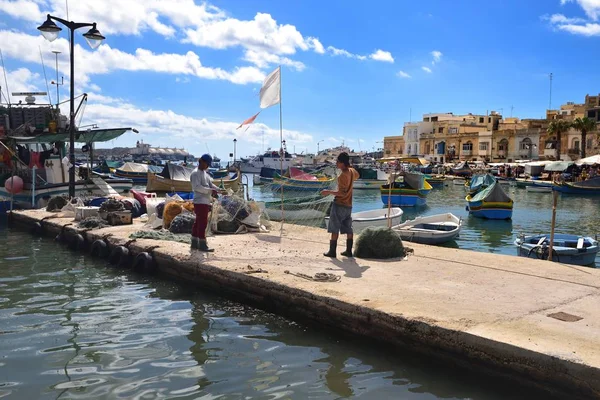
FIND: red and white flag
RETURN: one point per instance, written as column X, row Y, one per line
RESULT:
column 270, row 92
column 249, row 120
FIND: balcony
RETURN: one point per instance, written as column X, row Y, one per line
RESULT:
column 574, row 151
column 501, row 153
column 484, row 152
column 466, row 153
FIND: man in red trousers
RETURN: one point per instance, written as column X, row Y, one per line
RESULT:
column 204, row 190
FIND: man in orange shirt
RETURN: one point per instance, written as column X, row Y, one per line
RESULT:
column 340, row 218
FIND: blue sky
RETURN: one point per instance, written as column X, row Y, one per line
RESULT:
column 186, row 73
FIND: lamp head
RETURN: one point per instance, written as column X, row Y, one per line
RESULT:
column 94, row 37
column 49, row 29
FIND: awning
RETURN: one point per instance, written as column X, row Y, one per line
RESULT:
column 589, row 160
column 91, row 136
column 558, row 166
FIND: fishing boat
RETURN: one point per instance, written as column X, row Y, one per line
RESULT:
column 137, row 172
column 490, row 203
column 381, row 217
column 479, row 182
column 436, row 181
column 297, row 209
column 587, row 187
column 370, row 179
column 462, row 169
column 566, row 249
column 176, row 178
column 298, row 180
column 270, row 159
column 410, row 190
column 173, row 178
column 107, row 167
column 434, row 229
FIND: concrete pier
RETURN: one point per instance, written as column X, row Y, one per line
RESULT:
column 533, row 321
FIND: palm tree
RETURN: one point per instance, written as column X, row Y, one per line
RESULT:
column 557, row 128
column 584, row 125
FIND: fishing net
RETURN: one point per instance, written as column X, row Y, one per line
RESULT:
column 379, row 243
column 92, row 223
column 295, row 198
column 57, row 203
column 111, row 205
column 162, row 235
column 183, row 223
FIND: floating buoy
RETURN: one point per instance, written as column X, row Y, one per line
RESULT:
column 77, row 242
column 37, row 229
column 119, row 256
column 99, row 249
column 14, row 185
column 144, row 263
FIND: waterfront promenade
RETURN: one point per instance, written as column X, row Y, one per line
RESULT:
column 476, row 309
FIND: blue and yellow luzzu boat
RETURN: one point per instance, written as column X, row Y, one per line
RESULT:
column 490, row 202
column 138, row 173
column 436, row 181
column 410, row 191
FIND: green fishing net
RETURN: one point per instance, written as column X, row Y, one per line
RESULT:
column 379, row 243
column 162, row 235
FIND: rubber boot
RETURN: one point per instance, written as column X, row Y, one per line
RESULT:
column 194, row 245
column 348, row 252
column 202, row 246
column 332, row 247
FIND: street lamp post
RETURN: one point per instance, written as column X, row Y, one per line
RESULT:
column 318, row 143
column 234, row 149
column 50, row 32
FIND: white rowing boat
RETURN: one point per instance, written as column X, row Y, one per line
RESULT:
column 434, row 229
column 364, row 219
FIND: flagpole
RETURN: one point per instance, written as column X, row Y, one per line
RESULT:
column 281, row 147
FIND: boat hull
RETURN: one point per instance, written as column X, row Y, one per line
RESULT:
column 490, row 210
column 288, row 184
column 367, row 184
column 571, row 189
column 157, row 183
column 137, row 177
column 432, row 230
column 364, row 220
column 404, row 200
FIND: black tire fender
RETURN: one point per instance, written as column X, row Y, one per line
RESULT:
column 99, row 249
column 119, row 256
column 37, row 228
column 77, row 242
column 144, row 263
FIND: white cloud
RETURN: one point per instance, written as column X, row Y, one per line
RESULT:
column 427, row 69
column 263, row 60
column 437, row 56
column 588, row 29
column 20, row 80
column 380, row 55
column 578, row 26
column 561, row 19
column 403, row 74
column 106, row 59
column 591, row 7
column 316, row 45
column 185, row 79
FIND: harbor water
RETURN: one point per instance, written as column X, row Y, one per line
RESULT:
column 532, row 214
column 71, row 327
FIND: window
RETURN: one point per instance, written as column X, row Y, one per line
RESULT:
column 489, row 120
column 591, row 114
column 453, row 130
column 503, row 145
column 526, row 144
column 434, row 119
column 426, row 119
column 589, row 143
column 483, row 146
column 576, row 144
column 467, row 146
column 409, row 149
column 440, row 130
column 481, row 120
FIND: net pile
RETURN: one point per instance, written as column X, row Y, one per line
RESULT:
column 162, row 234
column 57, row 203
column 379, row 243
column 92, row 223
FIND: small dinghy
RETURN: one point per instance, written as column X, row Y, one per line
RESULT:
column 566, row 249
column 364, row 219
column 434, row 229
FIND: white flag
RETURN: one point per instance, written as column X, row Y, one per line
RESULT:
column 270, row 90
